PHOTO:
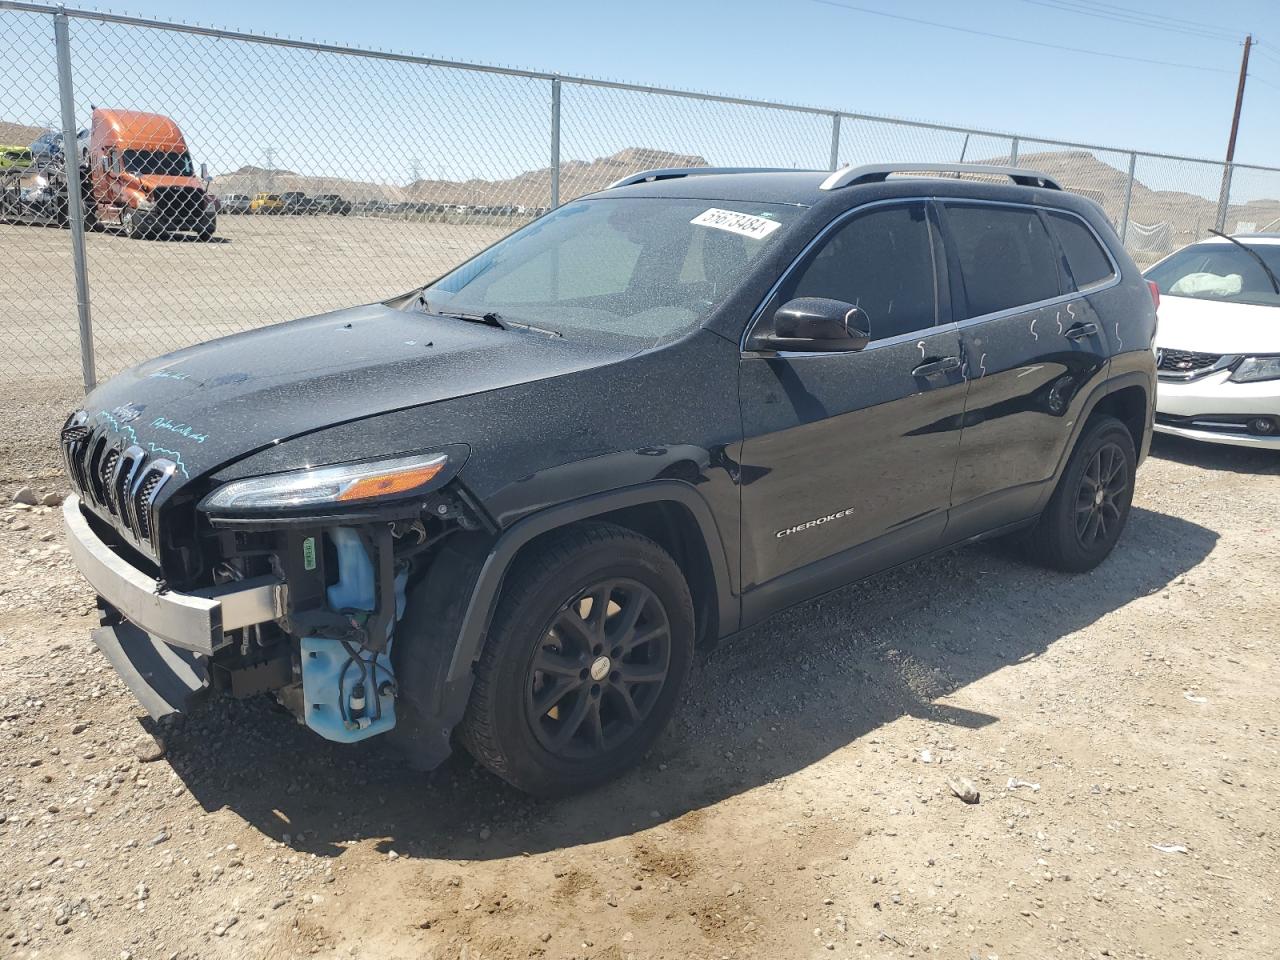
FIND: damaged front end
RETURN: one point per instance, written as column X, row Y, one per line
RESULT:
column 291, row 584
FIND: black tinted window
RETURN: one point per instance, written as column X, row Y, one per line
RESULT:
column 1006, row 257
column 1086, row 259
column 882, row 261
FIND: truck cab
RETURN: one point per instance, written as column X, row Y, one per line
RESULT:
column 142, row 176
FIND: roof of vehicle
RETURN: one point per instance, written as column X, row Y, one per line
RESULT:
column 824, row 190
column 136, row 130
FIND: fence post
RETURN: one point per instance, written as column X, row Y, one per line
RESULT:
column 835, row 142
column 555, row 143
column 1013, row 152
column 1128, row 197
column 1224, row 199
column 75, row 204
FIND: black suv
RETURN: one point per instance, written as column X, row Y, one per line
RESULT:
column 504, row 509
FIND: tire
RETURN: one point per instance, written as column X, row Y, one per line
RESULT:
column 1090, row 506
column 598, row 707
column 129, row 224
column 206, row 232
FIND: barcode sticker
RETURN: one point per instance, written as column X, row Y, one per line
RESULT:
column 744, row 224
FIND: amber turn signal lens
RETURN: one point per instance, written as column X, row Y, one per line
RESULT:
column 391, row 483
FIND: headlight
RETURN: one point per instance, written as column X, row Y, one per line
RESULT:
column 328, row 485
column 1253, row 369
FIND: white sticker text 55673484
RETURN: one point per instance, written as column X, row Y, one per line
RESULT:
column 757, row 228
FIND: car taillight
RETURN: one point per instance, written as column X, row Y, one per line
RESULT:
column 1155, row 293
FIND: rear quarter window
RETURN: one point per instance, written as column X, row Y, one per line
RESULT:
column 1006, row 257
column 1087, row 262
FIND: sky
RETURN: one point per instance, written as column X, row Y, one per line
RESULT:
column 1156, row 75
column 834, row 55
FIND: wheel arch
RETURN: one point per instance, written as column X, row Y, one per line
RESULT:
column 670, row 512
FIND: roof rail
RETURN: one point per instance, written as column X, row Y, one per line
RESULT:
column 879, row 172
column 674, row 173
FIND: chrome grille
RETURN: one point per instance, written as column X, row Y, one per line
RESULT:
column 1188, row 364
column 118, row 483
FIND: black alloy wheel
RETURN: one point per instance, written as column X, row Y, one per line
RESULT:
column 584, row 662
column 599, row 669
column 1101, row 498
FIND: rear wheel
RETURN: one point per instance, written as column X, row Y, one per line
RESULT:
column 589, row 650
column 1089, row 508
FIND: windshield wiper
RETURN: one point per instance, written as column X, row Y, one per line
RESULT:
column 490, row 318
column 1275, row 284
column 529, row 326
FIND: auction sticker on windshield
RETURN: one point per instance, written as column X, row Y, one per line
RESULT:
column 744, row 224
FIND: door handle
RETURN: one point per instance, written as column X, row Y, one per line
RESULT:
column 932, row 368
column 1081, row 330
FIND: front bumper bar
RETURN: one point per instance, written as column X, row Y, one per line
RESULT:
column 197, row 621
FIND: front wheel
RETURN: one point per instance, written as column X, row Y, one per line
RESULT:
column 589, row 650
column 1090, row 506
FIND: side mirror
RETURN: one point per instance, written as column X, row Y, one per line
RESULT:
column 818, row 325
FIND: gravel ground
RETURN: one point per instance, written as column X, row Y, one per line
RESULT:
column 1121, row 728
column 151, row 296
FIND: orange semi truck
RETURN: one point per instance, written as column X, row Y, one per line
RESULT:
column 142, row 177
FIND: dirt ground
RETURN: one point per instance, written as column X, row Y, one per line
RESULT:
column 1121, row 726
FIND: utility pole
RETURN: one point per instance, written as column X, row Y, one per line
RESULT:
column 1224, row 197
column 1235, row 117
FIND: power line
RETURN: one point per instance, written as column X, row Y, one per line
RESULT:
column 1147, row 14
column 1258, row 48
column 1002, row 36
column 1264, row 80
column 1146, row 22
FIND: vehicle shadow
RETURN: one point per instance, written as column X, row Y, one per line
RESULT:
column 765, row 704
column 1215, row 456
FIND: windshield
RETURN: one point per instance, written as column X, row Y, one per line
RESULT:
column 1219, row 271
column 157, row 162
column 642, row 268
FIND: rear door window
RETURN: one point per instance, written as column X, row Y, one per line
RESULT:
column 1087, row 262
column 1006, row 257
column 881, row 261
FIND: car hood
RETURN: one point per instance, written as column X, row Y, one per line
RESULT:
column 1207, row 326
column 208, row 405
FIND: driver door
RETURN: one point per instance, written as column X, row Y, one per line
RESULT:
column 848, row 458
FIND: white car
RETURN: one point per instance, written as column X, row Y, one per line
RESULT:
column 1218, row 343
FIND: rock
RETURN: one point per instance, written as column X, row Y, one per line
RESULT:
column 158, row 839
column 545, row 938
column 26, row 496
column 51, row 499
column 148, row 748
column 965, row 790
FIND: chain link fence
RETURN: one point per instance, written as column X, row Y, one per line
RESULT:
column 231, row 180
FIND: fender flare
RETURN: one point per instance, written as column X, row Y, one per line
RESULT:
column 1132, row 378
column 484, row 596
column 442, row 673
